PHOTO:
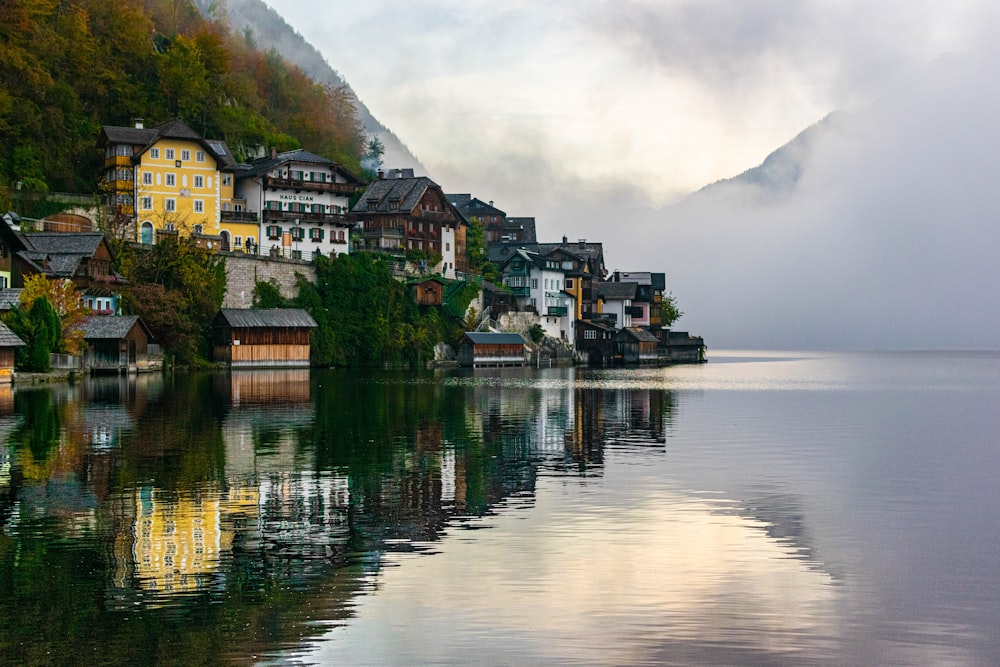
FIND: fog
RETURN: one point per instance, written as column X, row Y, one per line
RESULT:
column 887, row 241
column 598, row 118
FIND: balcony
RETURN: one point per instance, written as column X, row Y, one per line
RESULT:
column 436, row 216
column 311, row 186
column 556, row 311
column 383, row 232
column 634, row 311
column 239, row 216
column 521, row 291
column 118, row 161
column 289, row 217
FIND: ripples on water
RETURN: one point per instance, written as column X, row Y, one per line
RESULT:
column 764, row 508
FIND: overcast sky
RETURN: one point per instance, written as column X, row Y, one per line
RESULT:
column 595, row 116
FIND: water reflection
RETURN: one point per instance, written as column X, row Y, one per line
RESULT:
column 264, row 483
column 515, row 516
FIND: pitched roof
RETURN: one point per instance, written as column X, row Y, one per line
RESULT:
column 639, row 334
column 8, row 338
column 266, row 164
column 10, row 298
column 172, row 129
column 617, row 291
column 470, row 206
column 64, row 243
column 406, row 191
column 494, row 338
column 245, row 318
column 113, row 327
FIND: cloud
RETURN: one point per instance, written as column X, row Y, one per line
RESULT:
column 887, row 242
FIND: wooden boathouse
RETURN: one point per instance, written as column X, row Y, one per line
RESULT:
column 634, row 345
column 262, row 338
column 116, row 344
column 9, row 342
column 483, row 348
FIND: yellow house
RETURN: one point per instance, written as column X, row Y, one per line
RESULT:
column 168, row 180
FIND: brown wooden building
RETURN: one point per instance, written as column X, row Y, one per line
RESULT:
column 116, row 344
column 636, row 346
column 260, row 338
column 428, row 292
column 491, row 349
column 9, row 342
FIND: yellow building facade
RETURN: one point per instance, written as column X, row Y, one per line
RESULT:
column 170, row 181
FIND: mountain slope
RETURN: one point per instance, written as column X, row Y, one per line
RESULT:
column 270, row 31
column 777, row 176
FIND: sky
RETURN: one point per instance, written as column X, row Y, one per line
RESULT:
column 598, row 118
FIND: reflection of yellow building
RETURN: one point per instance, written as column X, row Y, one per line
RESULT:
column 178, row 541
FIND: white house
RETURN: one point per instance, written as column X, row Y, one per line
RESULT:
column 302, row 202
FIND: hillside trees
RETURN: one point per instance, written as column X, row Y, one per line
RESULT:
column 177, row 288
column 70, row 66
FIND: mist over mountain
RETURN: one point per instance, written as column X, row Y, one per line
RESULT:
column 779, row 173
column 270, row 31
column 876, row 230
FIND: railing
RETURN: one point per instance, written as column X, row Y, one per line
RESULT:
column 556, row 311
column 316, row 186
column 238, row 216
column 379, row 232
column 303, row 216
column 438, row 216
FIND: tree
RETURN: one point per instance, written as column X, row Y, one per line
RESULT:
column 669, row 310
column 66, row 301
column 371, row 160
column 39, row 327
column 177, row 289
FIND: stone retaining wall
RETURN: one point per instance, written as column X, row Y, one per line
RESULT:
column 244, row 271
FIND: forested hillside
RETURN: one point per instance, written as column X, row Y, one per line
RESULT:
column 67, row 67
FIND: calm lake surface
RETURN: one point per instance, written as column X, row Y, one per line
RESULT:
column 764, row 509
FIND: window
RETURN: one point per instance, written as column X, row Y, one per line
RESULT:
column 147, row 178
column 171, row 180
column 199, row 206
column 186, row 155
column 447, row 247
column 170, row 205
column 227, row 180
column 590, row 334
column 297, row 234
column 198, row 229
column 237, row 241
column 296, row 254
column 154, row 153
column 147, row 204
column 146, row 233
column 170, row 153
column 534, row 283
column 569, row 283
column 274, row 232
column 340, row 236
column 199, row 181
column 316, row 208
column 272, row 205
column 199, row 156
column 316, row 234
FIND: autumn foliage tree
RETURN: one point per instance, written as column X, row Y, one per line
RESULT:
column 66, row 301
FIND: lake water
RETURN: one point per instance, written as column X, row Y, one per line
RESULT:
column 764, row 508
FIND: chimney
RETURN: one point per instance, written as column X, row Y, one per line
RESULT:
column 399, row 173
column 138, row 123
column 583, row 243
column 274, row 153
column 381, row 175
column 491, row 202
column 565, row 240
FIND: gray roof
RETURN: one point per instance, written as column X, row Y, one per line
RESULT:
column 473, row 206
column 10, row 298
column 8, row 338
column 494, row 338
column 64, row 243
column 245, row 318
column 265, row 164
column 113, row 327
column 639, row 334
column 172, row 129
column 406, row 191
column 617, row 291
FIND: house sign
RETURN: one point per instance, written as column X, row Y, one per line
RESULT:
column 296, row 197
